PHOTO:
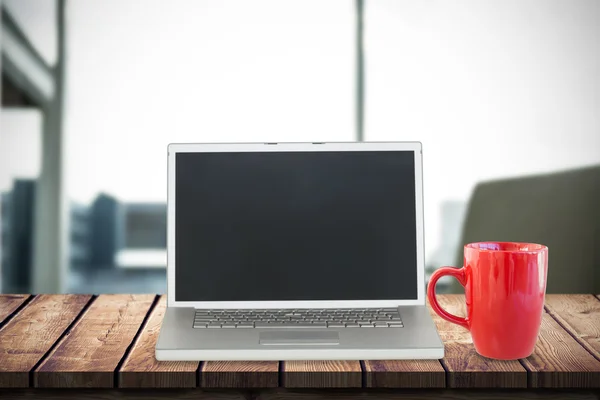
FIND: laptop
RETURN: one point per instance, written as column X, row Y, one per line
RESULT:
column 296, row 251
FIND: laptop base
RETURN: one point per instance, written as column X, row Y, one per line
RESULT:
column 418, row 339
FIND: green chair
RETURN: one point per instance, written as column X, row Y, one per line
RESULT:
column 560, row 210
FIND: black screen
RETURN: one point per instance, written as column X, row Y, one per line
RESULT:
column 295, row 226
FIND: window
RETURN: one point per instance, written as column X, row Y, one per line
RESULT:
column 152, row 73
column 492, row 89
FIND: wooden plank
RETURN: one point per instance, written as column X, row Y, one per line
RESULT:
column 466, row 368
column 239, row 374
column 195, row 394
column 558, row 361
column 278, row 394
column 579, row 314
column 422, row 394
column 29, row 336
column 142, row 370
column 120, row 394
column 88, row 356
column 404, row 374
column 9, row 304
column 321, row 374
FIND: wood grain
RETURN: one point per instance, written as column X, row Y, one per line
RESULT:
column 27, row 338
column 425, row 394
column 141, row 369
column 93, row 345
column 239, row 374
column 579, row 314
column 120, row 394
column 321, row 374
column 9, row 304
column 88, row 356
column 466, row 368
column 278, row 394
column 404, row 374
column 559, row 361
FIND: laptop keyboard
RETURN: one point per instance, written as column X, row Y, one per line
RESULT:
column 299, row 318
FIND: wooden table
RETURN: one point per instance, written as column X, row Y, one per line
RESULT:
column 100, row 347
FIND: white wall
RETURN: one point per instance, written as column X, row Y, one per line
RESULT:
column 492, row 88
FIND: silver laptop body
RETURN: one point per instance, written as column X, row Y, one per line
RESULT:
column 296, row 251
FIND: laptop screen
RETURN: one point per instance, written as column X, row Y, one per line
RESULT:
column 272, row 226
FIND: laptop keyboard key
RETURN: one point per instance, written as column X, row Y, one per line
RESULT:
column 265, row 324
column 396, row 323
column 298, row 318
column 303, row 324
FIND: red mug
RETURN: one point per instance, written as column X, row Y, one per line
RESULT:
column 505, row 287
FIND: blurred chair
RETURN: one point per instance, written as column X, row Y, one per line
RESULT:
column 560, row 210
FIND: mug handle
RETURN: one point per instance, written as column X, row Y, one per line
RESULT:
column 459, row 274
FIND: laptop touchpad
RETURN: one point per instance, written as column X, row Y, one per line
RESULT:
column 299, row 338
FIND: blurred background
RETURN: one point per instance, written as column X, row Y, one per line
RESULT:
column 503, row 94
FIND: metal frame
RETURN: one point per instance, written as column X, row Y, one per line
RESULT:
column 172, row 151
column 23, row 65
column 360, row 73
column 43, row 85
